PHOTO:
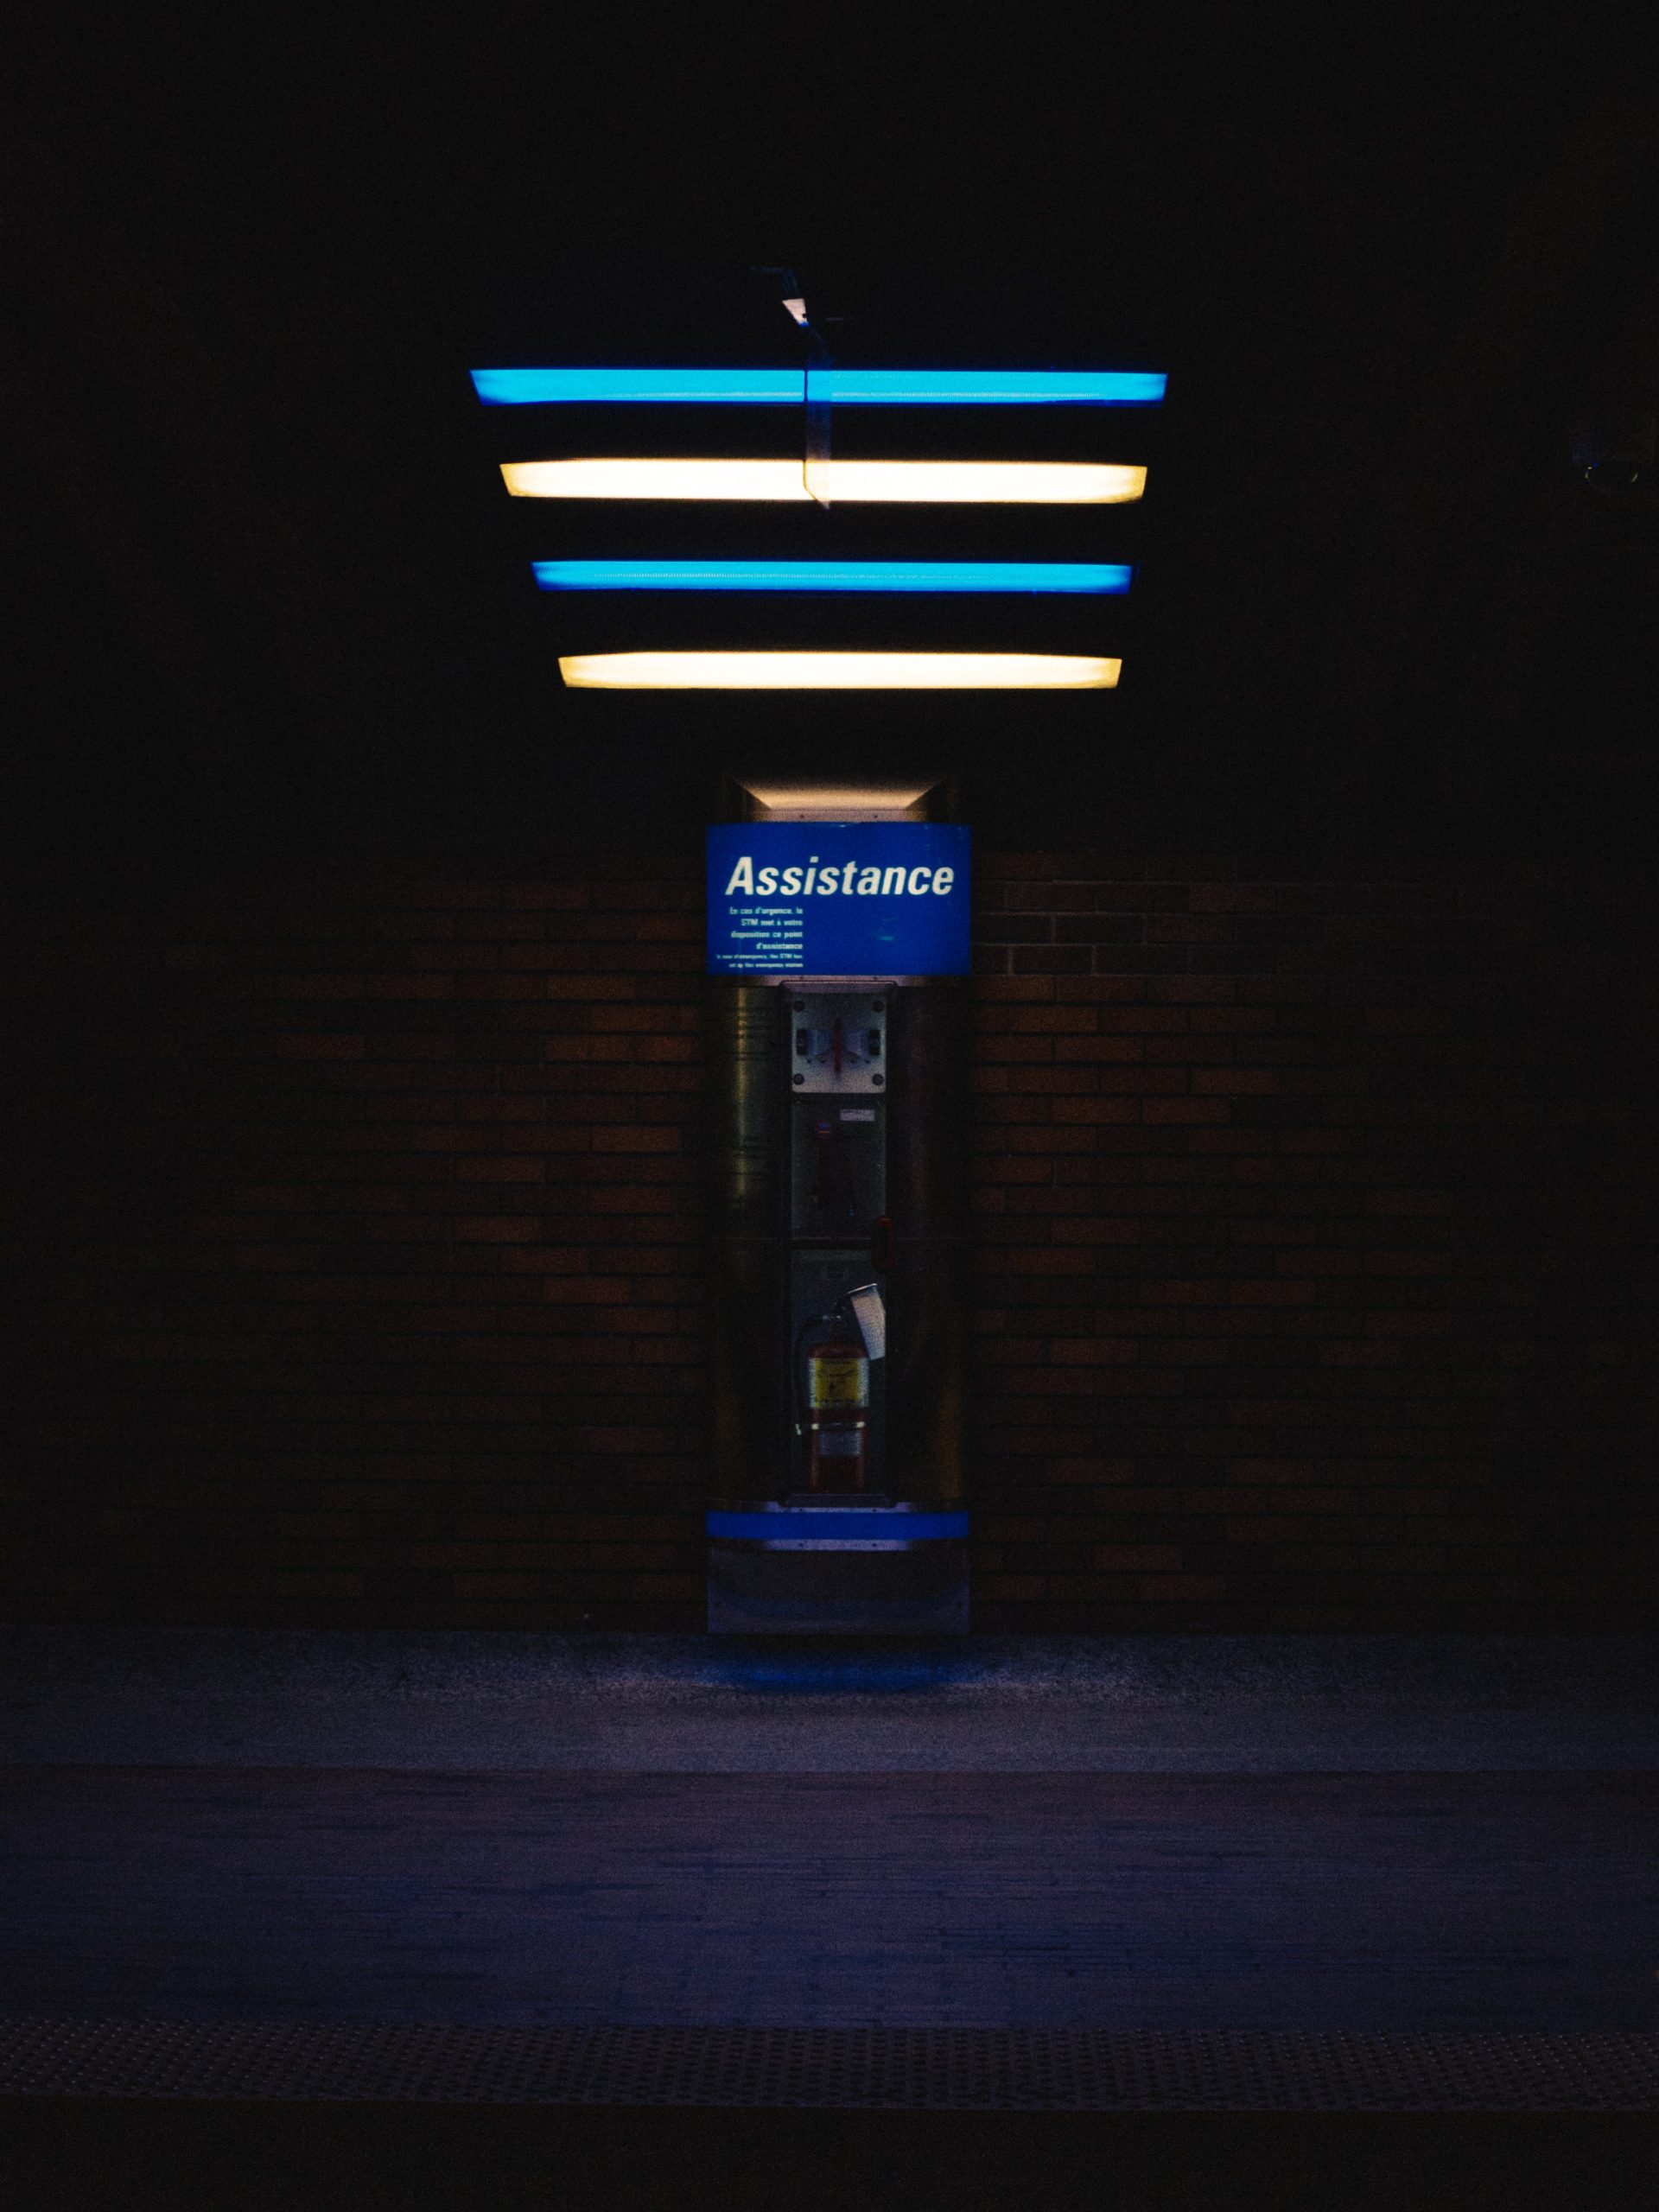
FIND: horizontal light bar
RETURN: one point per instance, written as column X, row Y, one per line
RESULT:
column 980, row 482
column 838, row 671
column 832, row 576
column 846, row 387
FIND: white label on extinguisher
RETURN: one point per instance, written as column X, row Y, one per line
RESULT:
column 837, row 1383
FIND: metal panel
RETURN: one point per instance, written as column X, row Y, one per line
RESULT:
column 838, row 1042
column 748, row 1337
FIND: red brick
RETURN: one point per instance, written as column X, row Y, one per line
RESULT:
column 1234, row 898
column 545, row 897
column 448, row 958
column 321, row 1048
column 1041, row 1259
column 1235, row 1082
column 1176, row 1111
column 319, row 987
column 1093, row 1048
column 410, row 987
column 625, row 1138
column 600, row 988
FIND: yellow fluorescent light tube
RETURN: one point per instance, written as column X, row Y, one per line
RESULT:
column 1027, row 482
column 839, row 671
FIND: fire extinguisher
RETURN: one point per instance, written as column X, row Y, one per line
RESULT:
column 838, row 1409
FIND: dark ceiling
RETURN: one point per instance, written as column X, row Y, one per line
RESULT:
column 276, row 604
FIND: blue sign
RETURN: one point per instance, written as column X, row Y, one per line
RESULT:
column 838, row 898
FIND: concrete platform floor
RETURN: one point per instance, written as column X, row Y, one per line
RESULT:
column 1378, row 1834
column 464, row 1702
column 1375, row 1903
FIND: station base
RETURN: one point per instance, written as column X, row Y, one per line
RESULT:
column 919, row 1590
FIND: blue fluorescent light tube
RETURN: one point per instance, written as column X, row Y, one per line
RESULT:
column 847, row 387
column 831, row 575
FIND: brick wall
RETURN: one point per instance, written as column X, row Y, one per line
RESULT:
column 1317, row 1227
column 374, row 1291
column 352, row 1269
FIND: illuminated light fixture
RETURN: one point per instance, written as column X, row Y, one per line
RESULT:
column 1032, row 483
column 846, row 387
column 838, row 671
column 832, row 576
column 818, row 799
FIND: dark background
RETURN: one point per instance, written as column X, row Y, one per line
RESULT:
column 351, row 1267
column 274, row 604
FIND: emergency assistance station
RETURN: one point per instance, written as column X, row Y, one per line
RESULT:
column 838, row 889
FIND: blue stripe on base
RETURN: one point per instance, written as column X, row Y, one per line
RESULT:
column 844, row 1524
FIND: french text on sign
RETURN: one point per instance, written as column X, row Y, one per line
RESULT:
column 838, row 898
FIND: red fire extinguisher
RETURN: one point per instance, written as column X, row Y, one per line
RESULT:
column 837, row 1410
